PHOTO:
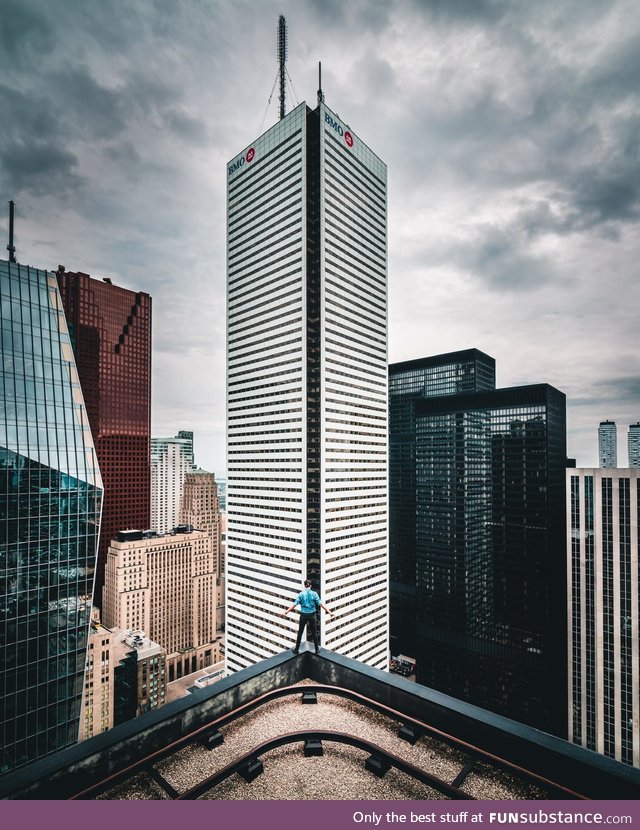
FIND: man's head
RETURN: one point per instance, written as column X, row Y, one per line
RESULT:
column 307, row 583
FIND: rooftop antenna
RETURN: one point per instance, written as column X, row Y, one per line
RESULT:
column 320, row 92
column 282, row 58
column 11, row 247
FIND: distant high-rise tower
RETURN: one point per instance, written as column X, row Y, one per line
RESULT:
column 410, row 381
column 50, row 499
column 110, row 330
column 187, row 435
column 633, row 444
column 608, row 444
column 603, row 623
column 307, row 387
column 171, row 460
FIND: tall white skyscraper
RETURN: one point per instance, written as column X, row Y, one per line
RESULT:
column 307, row 387
column 171, row 460
column 607, row 444
column 633, row 445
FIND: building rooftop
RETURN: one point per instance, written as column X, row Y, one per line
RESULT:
column 381, row 737
column 441, row 360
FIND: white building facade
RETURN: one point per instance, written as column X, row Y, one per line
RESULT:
column 603, row 507
column 307, row 388
column 171, row 460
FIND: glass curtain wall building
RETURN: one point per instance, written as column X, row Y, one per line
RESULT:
column 110, row 329
column 491, row 609
column 603, row 551
column 307, row 387
column 469, row 370
column 50, row 501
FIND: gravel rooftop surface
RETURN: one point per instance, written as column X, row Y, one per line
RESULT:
column 338, row 774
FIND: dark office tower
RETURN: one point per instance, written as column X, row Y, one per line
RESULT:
column 50, row 498
column 410, row 381
column 491, row 578
column 110, row 329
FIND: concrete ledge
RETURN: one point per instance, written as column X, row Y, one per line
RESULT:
column 576, row 768
column 71, row 770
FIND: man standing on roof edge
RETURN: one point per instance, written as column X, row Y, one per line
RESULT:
column 309, row 603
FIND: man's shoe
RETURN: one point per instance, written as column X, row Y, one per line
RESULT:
column 317, row 651
column 295, row 650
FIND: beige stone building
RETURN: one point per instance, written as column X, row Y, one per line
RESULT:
column 166, row 586
column 201, row 509
column 125, row 676
column 98, row 697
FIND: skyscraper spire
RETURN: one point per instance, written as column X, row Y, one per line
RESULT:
column 11, row 247
column 282, row 59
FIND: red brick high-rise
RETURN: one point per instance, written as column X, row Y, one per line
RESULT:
column 110, row 328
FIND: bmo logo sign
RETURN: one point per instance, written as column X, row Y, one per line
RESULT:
column 337, row 126
column 241, row 161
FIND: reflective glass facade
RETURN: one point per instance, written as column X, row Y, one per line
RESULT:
column 469, row 370
column 110, row 329
column 50, row 500
column 307, row 387
column 603, row 552
column 490, row 576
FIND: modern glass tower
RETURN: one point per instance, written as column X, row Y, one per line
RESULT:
column 307, row 387
column 469, row 370
column 50, row 501
column 608, row 444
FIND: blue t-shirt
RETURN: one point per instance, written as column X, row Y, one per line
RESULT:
column 308, row 601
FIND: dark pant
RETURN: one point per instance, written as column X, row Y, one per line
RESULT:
column 310, row 620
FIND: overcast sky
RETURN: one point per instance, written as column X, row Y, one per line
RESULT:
column 511, row 131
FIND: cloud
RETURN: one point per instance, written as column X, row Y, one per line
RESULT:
column 41, row 169
column 511, row 133
column 192, row 130
column 25, row 35
column 624, row 390
column 485, row 11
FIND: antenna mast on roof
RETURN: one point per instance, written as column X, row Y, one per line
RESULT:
column 282, row 58
column 11, row 247
column 320, row 92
